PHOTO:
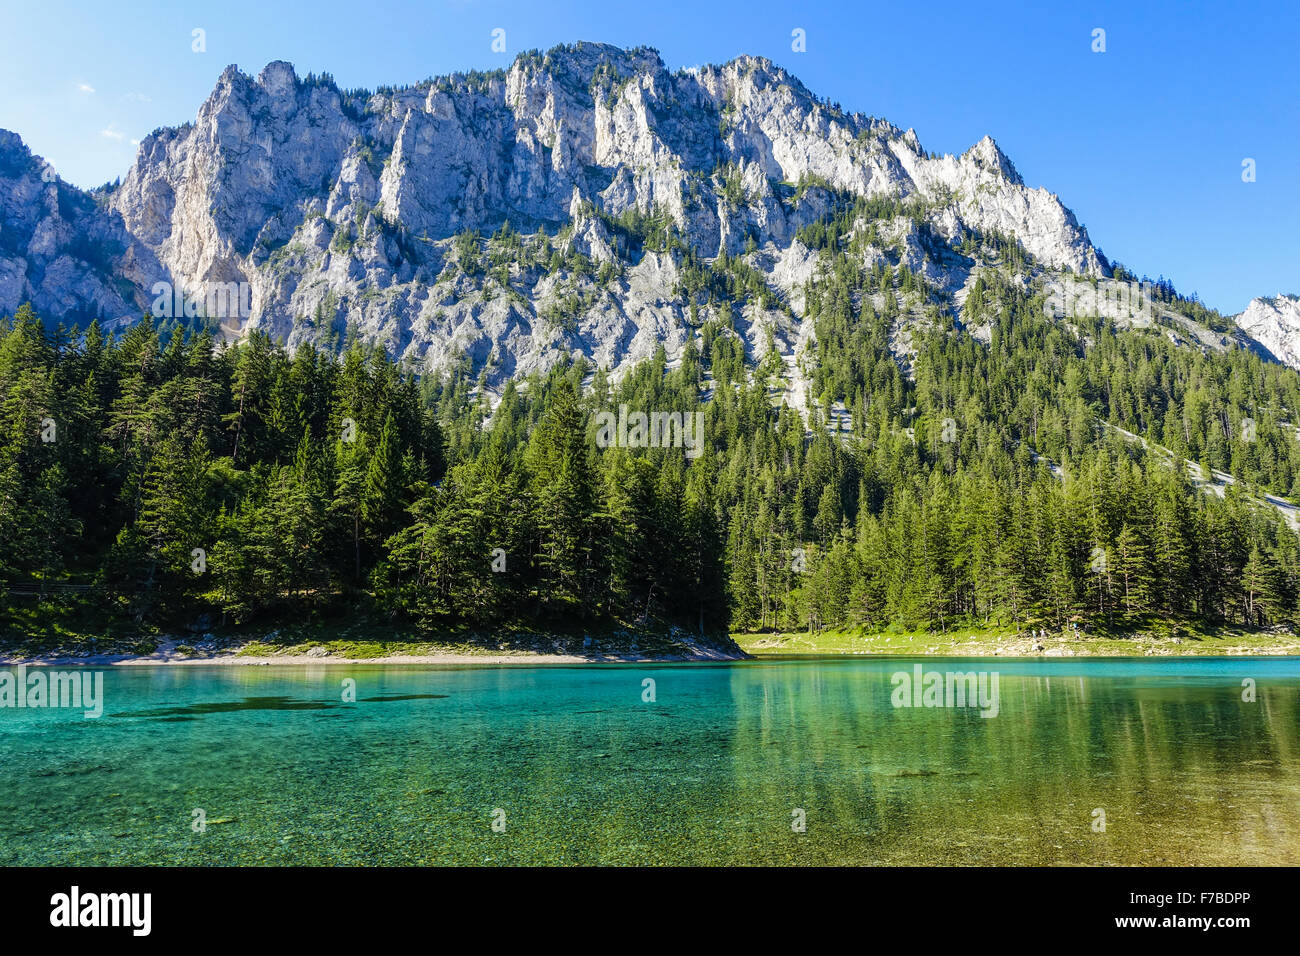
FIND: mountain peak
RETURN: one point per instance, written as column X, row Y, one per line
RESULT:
column 760, row 64
column 585, row 57
column 11, row 141
column 1275, row 324
column 371, row 212
column 277, row 74
column 988, row 155
column 58, row 250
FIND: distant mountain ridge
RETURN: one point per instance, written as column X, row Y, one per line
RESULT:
column 414, row 217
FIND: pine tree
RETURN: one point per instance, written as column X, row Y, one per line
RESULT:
column 1131, row 569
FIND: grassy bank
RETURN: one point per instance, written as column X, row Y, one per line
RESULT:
column 77, row 630
column 1155, row 638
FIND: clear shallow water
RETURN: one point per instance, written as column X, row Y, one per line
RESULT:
column 710, row 773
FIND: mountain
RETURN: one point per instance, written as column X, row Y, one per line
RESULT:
column 566, row 206
column 343, row 208
column 59, row 248
column 1275, row 324
column 819, row 378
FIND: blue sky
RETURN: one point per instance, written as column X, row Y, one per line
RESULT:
column 1145, row 142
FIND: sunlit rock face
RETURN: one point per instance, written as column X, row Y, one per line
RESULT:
column 511, row 219
column 1275, row 324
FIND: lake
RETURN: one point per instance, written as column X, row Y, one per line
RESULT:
column 788, row 761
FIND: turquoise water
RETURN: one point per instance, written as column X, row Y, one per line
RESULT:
column 713, row 771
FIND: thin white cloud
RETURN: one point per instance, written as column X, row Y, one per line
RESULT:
column 85, row 88
column 136, row 98
column 111, row 133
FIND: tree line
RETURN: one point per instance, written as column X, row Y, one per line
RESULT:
column 183, row 479
column 1038, row 478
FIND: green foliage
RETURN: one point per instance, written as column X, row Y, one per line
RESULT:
column 732, row 185
column 992, row 485
column 194, row 482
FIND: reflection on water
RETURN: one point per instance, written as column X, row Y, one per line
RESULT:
column 721, row 768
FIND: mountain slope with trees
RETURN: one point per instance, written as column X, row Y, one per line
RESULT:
column 981, row 489
column 921, row 384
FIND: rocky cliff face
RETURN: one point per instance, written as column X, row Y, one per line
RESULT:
column 512, row 218
column 341, row 209
column 1275, row 324
column 59, row 249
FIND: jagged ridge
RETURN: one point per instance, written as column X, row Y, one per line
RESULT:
column 341, row 209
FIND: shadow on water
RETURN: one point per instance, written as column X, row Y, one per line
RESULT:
column 193, row 711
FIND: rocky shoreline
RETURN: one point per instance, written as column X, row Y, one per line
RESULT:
column 254, row 653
